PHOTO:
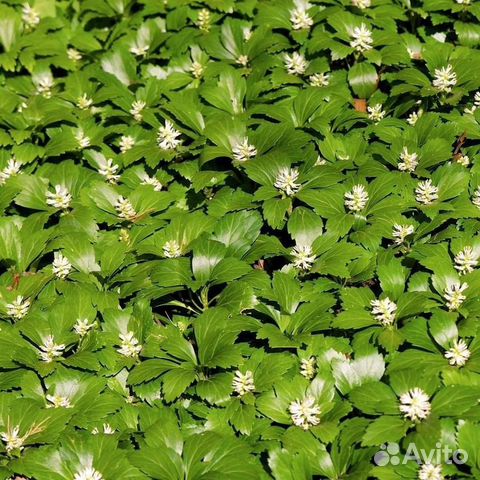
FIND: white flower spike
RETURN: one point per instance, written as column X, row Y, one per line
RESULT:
column 308, row 367
column 376, row 112
column 171, row 249
column 384, row 311
column 428, row 471
column 108, row 169
column 465, row 260
column 82, row 327
column 125, row 209
column 362, row 4
column 299, row 17
column 18, row 308
column 454, row 295
column 401, row 232
column 445, row 79
column 137, row 109
column 304, row 413
column 61, row 266
column 129, row 346
column 362, row 40
column 243, row 150
column 319, row 80
column 12, row 439
column 426, row 192
column 303, row 256
column 61, row 198
column 167, row 137
column 415, row 404
column 458, row 354
column 12, row 169
column 50, row 350
column 356, row 200
column 408, row 161
column 296, row 64
column 243, row 383
column 286, row 181
column 88, row 473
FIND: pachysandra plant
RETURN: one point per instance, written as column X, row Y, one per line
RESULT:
column 239, row 239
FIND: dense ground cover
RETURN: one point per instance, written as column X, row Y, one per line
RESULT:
column 239, row 239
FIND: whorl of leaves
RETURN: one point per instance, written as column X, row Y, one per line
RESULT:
column 234, row 234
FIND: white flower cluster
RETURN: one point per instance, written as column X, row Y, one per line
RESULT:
column 458, row 354
column 12, row 169
column 196, row 69
column 476, row 197
column 384, row 311
column 82, row 327
column 126, row 143
column 243, row 151
column 125, row 209
column 172, row 249
column 412, row 119
column 308, row 367
column 454, row 296
column 319, row 80
column 50, row 350
column 356, row 200
column 44, row 84
column 361, row 38
column 30, row 16
column 415, row 404
column 376, row 112
column 303, row 256
column 61, row 198
column 129, row 346
column 18, row 308
column 426, row 192
column 84, row 102
column 107, row 429
column 462, row 159
column 243, row 383
column 401, row 232
column 430, row 472
column 88, row 473
column 242, row 60
column 58, row 401
column 304, row 413
column 445, row 78
column 465, row 260
column 362, row 4
column 12, row 439
column 408, row 161
column 476, row 103
column 300, row 19
column 82, row 140
column 203, row 20
column 61, row 266
column 139, row 49
column 296, row 64
column 167, row 137
column 153, row 181
column 286, row 181
column 108, row 169
column 136, row 109
column 74, row 55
